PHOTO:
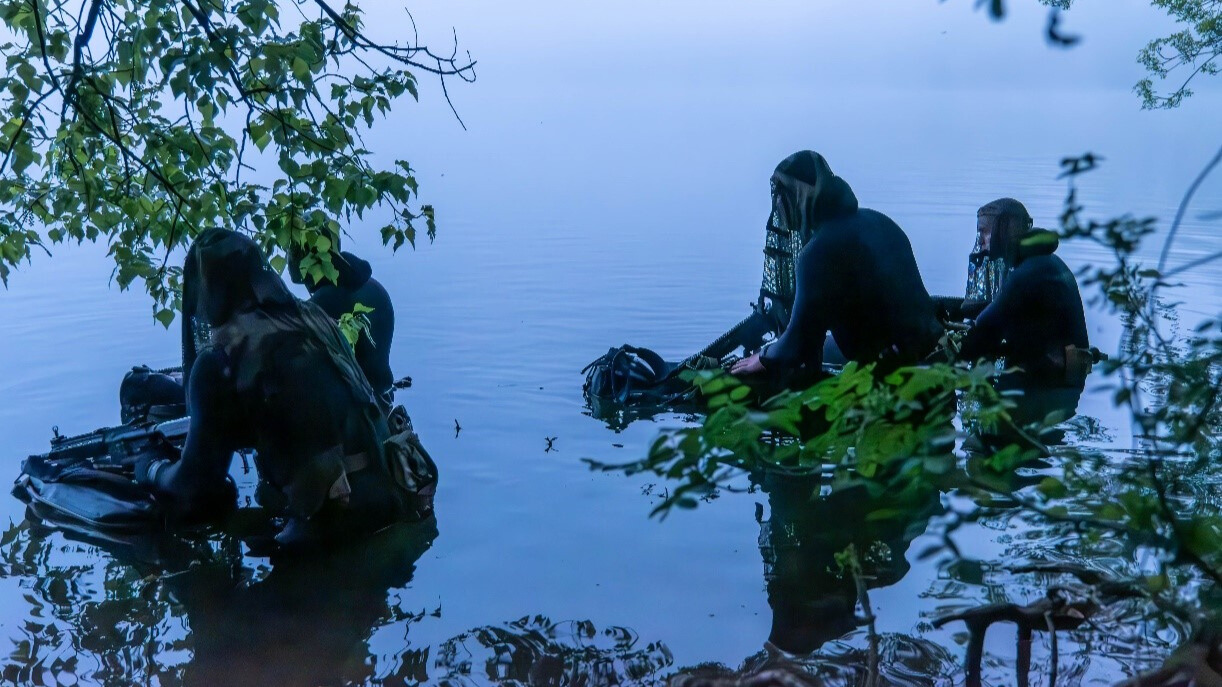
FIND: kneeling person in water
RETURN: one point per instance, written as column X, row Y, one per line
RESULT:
column 856, row 277
column 276, row 375
column 1036, row 319
column 355, row 284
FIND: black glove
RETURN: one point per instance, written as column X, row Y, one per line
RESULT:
column 148, row 469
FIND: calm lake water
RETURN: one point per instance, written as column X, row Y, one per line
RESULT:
column 603, row 196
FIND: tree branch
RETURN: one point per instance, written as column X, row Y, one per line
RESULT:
column 78, row 50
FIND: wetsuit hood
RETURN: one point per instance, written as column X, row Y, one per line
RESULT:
column 225, row 273
column 1011, row 225
column 805, row 192
column 353, row 271
column 1037, row 242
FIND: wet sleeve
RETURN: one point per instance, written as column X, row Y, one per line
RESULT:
column 211, row 439
column 984, row 339
column 806, row 332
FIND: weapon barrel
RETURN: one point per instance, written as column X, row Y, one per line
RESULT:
column 754, row 325
column 116, row 441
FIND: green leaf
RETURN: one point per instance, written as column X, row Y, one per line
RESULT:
column 1052, row 488
column 301, row 69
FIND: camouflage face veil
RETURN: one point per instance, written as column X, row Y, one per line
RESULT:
column 805, row 193
column 781, row 247
column 224, row 272
column 1005, row 221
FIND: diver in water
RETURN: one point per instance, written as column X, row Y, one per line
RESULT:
column 355, row 285
column 855, row 276
column 985, row 272
column 274, row 373
column 1035, row 319
column 147, row 394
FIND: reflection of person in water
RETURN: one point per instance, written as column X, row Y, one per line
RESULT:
column 812, row 602
column 199, row 615
column 308, row 622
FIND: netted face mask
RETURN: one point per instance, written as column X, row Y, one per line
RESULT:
column 985, row 274
column 781, row 247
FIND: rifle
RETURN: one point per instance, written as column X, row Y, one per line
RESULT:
column 750, row 333
column 115, row 447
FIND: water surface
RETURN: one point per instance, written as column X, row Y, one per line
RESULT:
column 611, row 188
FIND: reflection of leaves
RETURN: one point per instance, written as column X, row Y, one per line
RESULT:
column 535, row 650
column 901, row 660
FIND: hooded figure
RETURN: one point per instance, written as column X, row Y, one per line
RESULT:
column 986, row 268
column 855, row 276
column 1037, row 313
column 355, row 285
column 276, row 375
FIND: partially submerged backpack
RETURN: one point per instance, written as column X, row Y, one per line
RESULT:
column 85, row 484
column 630, row 375
column 151, row 395
column 409, row 464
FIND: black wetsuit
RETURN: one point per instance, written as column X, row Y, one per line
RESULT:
column 1035, row 316
column 277, row 376
column 357, row 285
column 858, row 278
column 283, row 395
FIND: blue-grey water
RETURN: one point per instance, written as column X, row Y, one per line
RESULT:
column 611, row 188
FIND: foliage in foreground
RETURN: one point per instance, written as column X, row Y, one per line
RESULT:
column 1150, row 512
column 142, row 123
column 1191, row 51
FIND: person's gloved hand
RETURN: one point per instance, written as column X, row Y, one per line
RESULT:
column 147, row 469
column 748, row 367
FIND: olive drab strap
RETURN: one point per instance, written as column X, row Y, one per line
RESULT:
column 250, row 329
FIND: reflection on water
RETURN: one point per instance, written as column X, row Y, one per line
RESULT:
column 817, row 611
column 538, row 651
column 209, row 619
column 177, row 612
column 813, row 601
column 903, row 661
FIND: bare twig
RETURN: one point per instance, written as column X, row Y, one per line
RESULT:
column 1179, row 213
column 1052, row 638
column 444, row 66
